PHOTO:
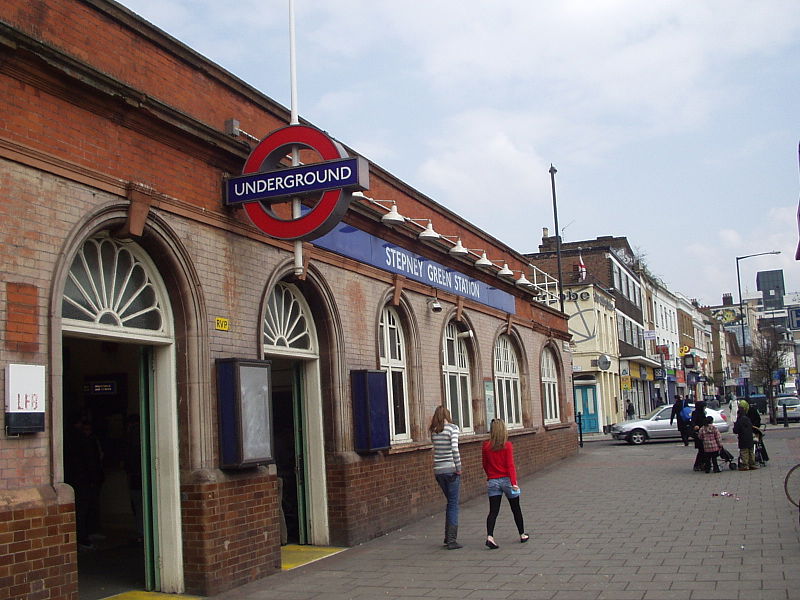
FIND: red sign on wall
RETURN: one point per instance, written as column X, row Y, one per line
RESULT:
column 331, row 204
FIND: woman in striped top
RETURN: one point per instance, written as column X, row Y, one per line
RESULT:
column 447, row 469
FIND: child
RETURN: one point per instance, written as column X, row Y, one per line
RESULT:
column 712, row 442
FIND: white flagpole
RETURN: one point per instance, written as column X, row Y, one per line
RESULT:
column 295, row 120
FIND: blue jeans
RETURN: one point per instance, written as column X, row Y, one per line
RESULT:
column 499, row 487
column 451, row 487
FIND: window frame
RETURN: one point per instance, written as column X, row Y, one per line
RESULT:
column 507, row 387
column 457, row 371
column 551, row 401
column 394, row 367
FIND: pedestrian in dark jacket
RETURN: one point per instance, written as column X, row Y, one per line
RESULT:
column 698, row 421
column 743, row 428
column 677, row 415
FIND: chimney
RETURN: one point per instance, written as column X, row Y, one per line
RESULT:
column 545, row 232
column 727, row 299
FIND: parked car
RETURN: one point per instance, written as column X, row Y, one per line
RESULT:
column 656, row 426
column 792, row 404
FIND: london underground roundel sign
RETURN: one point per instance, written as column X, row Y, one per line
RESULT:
column 264, row 181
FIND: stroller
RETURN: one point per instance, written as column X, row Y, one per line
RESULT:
column 760, row 450
column 727, row 457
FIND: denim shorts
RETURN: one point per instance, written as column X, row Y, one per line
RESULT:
column 499, row 486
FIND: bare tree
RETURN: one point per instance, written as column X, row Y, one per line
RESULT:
column 768, row 358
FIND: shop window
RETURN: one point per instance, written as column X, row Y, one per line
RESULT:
column 456, row 373
column 506, row 382
column 549, row 374
column 393, row 362
column 112, row 285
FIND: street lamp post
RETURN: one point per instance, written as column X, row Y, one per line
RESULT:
column 741, row 316
column 553, row 172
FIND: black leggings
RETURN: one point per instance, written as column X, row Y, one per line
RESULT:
column 494, row 510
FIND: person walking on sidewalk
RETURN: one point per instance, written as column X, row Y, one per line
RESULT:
column 698, row 421
column 501, row 476
column 630, row 412
column 744, row 429
column 680, row 414
column 712, row 443
column 447, row 469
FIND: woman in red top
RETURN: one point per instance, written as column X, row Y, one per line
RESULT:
column 501, row 475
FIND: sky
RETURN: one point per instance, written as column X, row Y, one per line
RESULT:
column 673, row 123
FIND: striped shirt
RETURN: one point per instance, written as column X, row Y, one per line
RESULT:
column 446, row 458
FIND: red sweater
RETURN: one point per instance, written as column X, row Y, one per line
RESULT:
column 499, row 463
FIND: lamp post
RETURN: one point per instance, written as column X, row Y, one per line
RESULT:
column 741, row 315
column 553, row 172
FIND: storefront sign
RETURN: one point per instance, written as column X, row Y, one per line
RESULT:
column 265, row 180
column 357, row 244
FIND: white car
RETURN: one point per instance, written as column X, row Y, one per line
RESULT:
column 656, row 425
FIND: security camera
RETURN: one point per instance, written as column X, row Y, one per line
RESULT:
column 435, row 306
column 465, row 334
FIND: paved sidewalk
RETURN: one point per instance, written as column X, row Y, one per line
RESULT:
column 616, row 522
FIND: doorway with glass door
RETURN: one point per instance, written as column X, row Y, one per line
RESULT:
column 290, row 455
column 107, row 400
column 586, row 405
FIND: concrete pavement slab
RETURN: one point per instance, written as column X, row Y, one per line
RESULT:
column 615, row 521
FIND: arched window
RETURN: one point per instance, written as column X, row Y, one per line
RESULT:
column 113, row 287
column 393, row 362
column 552, row 409
column 506, row 382
column 288, row 328
column 455, row 370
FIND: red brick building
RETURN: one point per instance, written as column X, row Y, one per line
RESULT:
column 126, row 277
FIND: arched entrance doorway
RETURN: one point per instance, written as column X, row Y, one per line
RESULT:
column 120, row 420
column 290, row 341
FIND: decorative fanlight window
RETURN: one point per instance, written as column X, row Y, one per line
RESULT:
column 288, row 328
column 112, row 286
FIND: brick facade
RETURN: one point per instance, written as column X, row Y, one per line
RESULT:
column 37, row 544
column 123, row 130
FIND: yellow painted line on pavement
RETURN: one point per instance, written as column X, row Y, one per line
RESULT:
column 293, row 555
column 150, row 596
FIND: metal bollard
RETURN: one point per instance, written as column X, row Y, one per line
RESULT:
column 579, row 419
column 785, row 417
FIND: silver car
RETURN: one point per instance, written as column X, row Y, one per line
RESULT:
column 656, row 426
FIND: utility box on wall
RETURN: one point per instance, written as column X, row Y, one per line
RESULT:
column 244, row 389
column 25, row 396
column 370, row 410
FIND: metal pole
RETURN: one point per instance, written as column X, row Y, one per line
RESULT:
column 744, row 341
column 742, row 315
column 553, row 172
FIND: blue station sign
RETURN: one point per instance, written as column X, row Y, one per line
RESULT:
column 364, row 247
column 346, row 173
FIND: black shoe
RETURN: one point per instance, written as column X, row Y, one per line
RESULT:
column 491, row 545
column 717, row 471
